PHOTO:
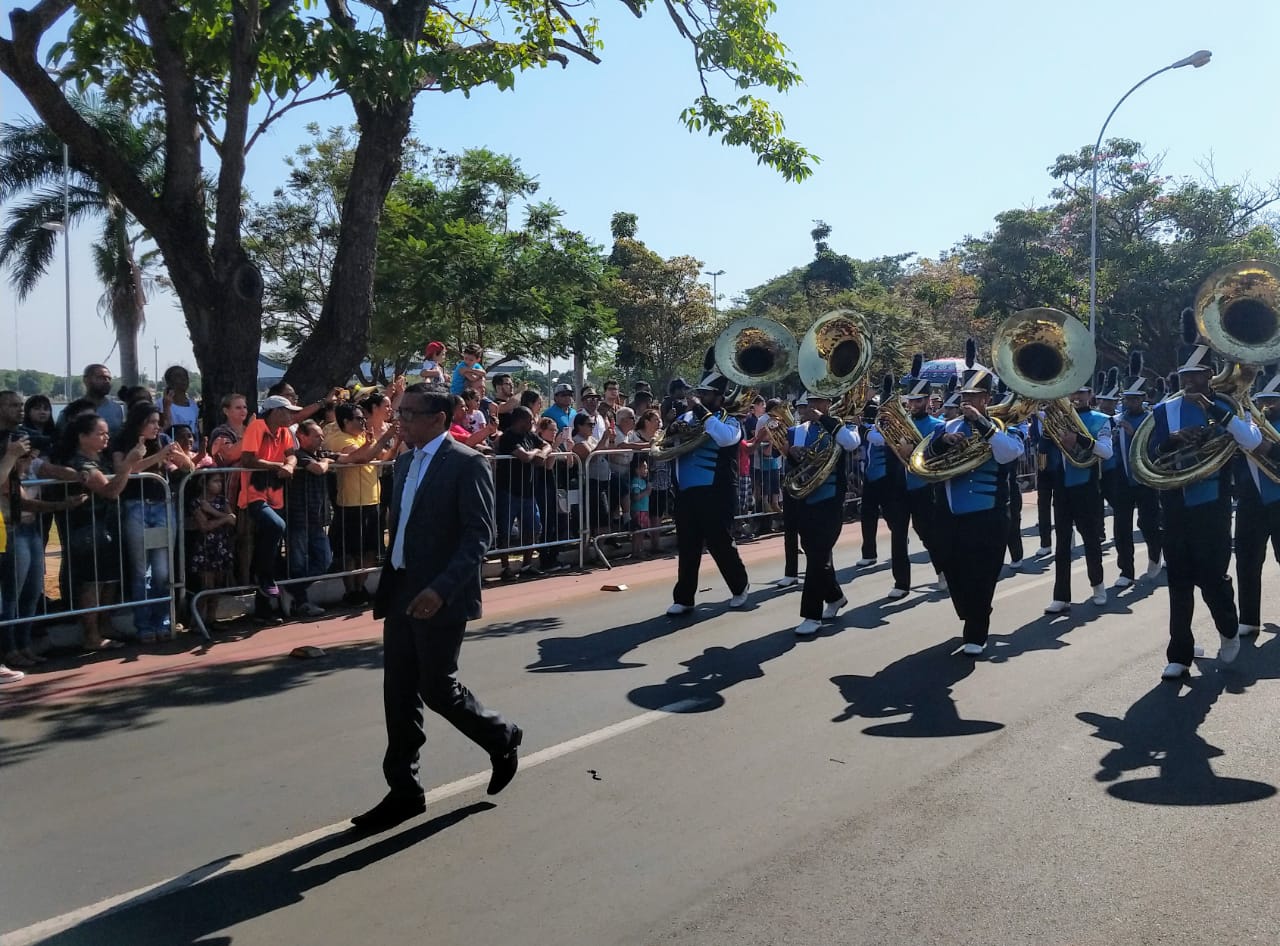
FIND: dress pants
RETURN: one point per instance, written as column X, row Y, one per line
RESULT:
column 1146, row 501
column 819, row 525
column 1110, row 480
column 1076, row 508
column 704, row 518
column 886, row 497
column 970, row 550
column 420, row 660
column 1013, row 541
column 1256, row 525
column 791, row 537
column 1197, row 550
column 1044, row 508
column 922, row 511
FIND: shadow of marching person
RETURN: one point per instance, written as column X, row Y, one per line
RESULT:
column 918, row 686
column 191, row 914
column 1161, row 731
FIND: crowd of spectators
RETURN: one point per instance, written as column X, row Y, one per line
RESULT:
column 301, row 491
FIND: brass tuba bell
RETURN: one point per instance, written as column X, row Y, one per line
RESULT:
column 752, row 351
column 835, row 353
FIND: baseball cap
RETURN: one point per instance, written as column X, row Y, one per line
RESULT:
column 434, row 348
column 275, row 401
column 562, row 389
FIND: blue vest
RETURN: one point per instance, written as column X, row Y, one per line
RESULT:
column 834, row 485
column 710, row 464
column 926, row 425
column 1122, row 441
column 1207, row 490
column 1265, row 491
column 877, row 461
column 980, row 491
column 1073, row 475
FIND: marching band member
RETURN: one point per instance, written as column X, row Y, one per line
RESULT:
column 1129, row 493
column 972, row 521
column 707, row 484
column 884, row 492
column 920, row 497
column 1013, row 542
column 1109, row 470
column 951, row 403
column 1257, row 512
column 1197, row 517
column 1077, row 502
column 819, row 516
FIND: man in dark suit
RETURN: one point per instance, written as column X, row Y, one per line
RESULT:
column 441, row 524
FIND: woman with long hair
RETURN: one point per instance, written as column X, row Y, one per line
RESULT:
column 145, row 506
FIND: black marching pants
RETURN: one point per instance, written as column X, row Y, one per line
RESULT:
column 704, row 519
column 1146, row 501
column 1197, row 550
column 420, row 660
column 1077, row 508
column 1044, row 508
column 1110, row 484
column 1256, row 525
column 1014, row 536
column 819, row 525
column 970, row 551
column 922, row 510
column 885, row 497
column 790, row 538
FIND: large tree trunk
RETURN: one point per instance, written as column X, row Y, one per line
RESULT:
column 331, row 353
column 127, row 339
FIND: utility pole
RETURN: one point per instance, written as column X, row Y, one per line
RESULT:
column 715, row 288
column 155, row 378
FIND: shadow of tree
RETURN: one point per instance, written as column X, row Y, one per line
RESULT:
column 1161, row 731
column 514, row 628
column 191, row 914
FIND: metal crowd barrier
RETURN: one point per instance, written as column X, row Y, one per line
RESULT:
column 123, row 545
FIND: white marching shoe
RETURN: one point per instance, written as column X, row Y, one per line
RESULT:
column 896, row 593
column 1153, row 568
column 1122, row 582
column 1043, row 551
column 1099, row 594
column 864, row 562
column 1247, row 630
column 1229, row 649
column 740, row 599
column 1057, row 607
column 808, row 627
column 973, row 650
column 678, row 609
column 1175, row 672
column 787, row 581
column 833, row 608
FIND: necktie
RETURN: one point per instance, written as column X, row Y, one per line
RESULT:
column 406, row 505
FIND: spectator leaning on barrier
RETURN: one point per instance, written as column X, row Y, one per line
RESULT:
column 562, row 410
column 519, row 451
column 459, row 430
column 212, row 544
column 269, row 463
column 551, row 481
column 307, row 517
column 10, row 450
column 624, row 421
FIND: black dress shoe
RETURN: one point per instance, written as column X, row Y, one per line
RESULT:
column 506, row 764
column 390, row 812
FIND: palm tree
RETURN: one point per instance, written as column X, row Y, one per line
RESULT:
column 31, row 184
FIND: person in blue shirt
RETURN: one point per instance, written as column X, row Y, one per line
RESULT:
column 1105, row 403
column 707, row 497
column 973, row 514
column 819, row 516
column 884, row 495
column 468, row 371
column 1257, row 510
column 1129, row 494
column 1044, row 484
column 1197, row 517
column 1077, row 505
column 561, row 409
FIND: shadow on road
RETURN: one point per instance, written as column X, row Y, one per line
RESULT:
column 1161, row 731
column 713, row 671
column 192, row 914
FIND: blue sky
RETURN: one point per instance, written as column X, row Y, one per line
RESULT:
column 929, row 117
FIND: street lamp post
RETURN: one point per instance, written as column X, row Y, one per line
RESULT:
column 1197, row 59
column 715, row 287
column 63, row 226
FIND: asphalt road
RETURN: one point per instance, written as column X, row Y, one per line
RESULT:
column 704, row 781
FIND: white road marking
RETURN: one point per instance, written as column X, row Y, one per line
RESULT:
column 36, row 932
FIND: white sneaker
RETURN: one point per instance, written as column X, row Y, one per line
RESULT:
column 1122, row 582
column 1229, row 650
column 808, row 627
column 740, row 599
column 678, row 609
column 1043, row 551
column 1016, row 566
column 1057, row 607
column 832, row 609
column 1247, row 630
column 787, row 581
column 1175, row 672
column 864, row 562
column 10, row 676
column 941, row 583
column 896, row 593
column 1099, row 594
column 1153, row 568
column 973, row 650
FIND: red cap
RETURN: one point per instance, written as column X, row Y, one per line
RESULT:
column 434, row 348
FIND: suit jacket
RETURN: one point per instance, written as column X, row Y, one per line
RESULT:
column 449, row 530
